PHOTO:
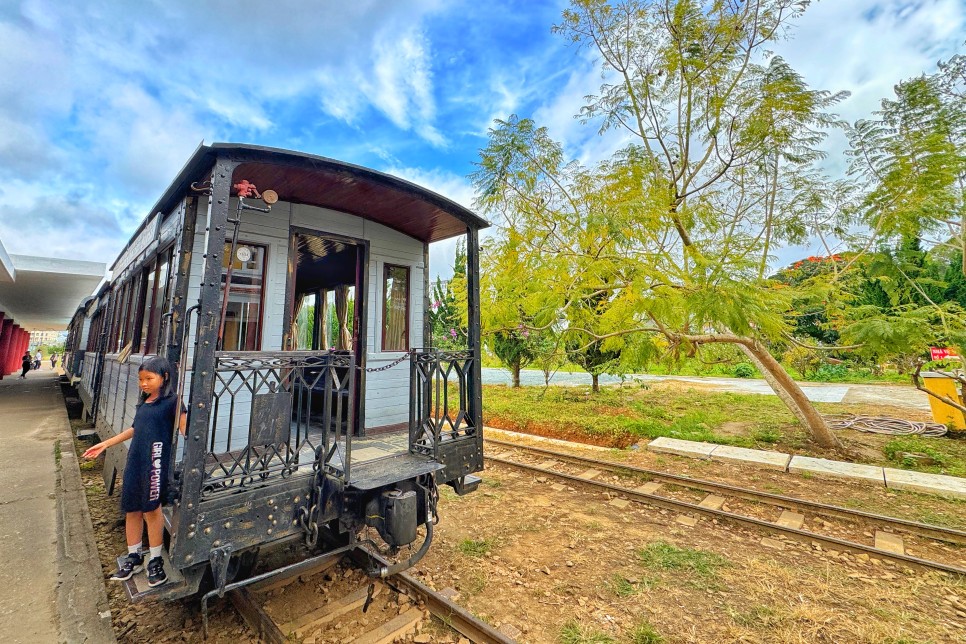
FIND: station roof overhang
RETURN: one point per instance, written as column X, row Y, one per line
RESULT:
column 43, row 293
column 313, row 180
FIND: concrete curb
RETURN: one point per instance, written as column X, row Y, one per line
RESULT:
column 922, row 482
column 82, row 605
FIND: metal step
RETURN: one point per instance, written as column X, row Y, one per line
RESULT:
column 178, row 585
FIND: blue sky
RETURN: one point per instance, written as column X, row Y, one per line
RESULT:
column 102, row 102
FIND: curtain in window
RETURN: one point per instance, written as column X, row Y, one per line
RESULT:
column 396, row 305
column 344, row 341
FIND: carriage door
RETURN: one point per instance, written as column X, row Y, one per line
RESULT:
column 326, row 312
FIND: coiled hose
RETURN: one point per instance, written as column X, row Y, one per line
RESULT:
column 886, row 425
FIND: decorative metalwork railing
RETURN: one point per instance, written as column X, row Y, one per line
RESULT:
column 277, row 414
column 439, row 394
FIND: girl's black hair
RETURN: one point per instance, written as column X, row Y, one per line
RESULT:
column 160, row 366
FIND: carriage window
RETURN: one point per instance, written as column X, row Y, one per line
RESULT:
column 395, row 312
column 156, row 304
column 147, row 297
column 243, row 317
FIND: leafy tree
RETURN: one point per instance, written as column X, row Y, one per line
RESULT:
column 674, row 232
column 515, row 350
column 911, row 158
column 447, row 311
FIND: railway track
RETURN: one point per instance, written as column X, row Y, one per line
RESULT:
column 332, row 600
column 841, row 531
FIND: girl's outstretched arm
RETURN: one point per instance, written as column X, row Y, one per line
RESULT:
column 96, row 450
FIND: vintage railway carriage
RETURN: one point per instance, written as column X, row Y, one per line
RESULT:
column 78, row 332
column 84, row 352
column 300, row 335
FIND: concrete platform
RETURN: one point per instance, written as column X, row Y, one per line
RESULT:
column 770, row 460
column 682, row 448
column 51, row 585
column 836, row 469
column 948, row 486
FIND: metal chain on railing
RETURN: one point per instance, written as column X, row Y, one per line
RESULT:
column 392, row 364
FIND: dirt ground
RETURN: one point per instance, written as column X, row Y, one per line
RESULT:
column 558, row 563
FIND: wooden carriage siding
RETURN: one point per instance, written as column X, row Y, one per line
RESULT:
column 387, row 393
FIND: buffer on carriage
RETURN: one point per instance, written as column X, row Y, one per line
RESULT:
column 297, row 320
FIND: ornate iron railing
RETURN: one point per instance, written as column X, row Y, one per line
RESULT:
column 275, row 415
column 439, row 405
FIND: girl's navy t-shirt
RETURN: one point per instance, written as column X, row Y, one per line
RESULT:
column 146, row 472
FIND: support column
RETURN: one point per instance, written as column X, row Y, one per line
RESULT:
column 24, row 342
column 3, row 349
column 16, row 341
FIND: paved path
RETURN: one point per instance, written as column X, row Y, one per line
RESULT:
column 50, row 584
column 31, row 417
column 900, row 395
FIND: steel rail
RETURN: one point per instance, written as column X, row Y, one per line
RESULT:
column 447, row 611
column 949, row 535
column 803, row 536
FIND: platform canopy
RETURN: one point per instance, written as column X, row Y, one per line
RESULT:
column 42, row 293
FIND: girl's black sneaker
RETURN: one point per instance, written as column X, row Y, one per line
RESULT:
column 132, row 563
column 156, row 574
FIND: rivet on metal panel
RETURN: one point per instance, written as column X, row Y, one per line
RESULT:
column 208, row 530
column 189, row 557
column 295, row 500
column 191, row 526
column 191, row 535
column 275, row 522
column 227, row 524
column 270, row 517
column 216, row 543
column 271, row 501
column 191, row 506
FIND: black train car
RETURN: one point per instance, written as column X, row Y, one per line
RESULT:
column 297, row 321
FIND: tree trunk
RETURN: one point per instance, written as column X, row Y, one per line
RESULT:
column 781, row 383
column 596, row 383
column 791, row 394
column 515, row 370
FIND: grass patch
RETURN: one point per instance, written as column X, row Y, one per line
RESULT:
column 948, row 454
column 644, row 633
column 475, row 547
column 574, row 633
column 626, row 587
column 756, row 617
column 620, row 416
column 661, row 555
column 57, row 453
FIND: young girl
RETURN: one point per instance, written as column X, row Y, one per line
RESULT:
column 25, row 364
column 146, row 472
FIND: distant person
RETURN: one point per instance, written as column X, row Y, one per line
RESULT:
column 25, row 364
column 37, row 359
column 53, row 361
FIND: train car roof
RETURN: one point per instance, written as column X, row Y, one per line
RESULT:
column 303, row 178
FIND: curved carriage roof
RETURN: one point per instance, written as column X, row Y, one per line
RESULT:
column 314, row 180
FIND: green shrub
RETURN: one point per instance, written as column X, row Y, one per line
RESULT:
column 831, row 373
column 745, row 370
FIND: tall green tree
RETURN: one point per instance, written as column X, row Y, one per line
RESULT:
column 911, row 158
column 674, row 231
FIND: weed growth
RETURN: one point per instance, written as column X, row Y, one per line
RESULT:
column 574, row 633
